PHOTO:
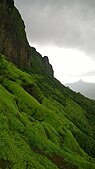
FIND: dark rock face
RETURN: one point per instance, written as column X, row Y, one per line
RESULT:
column 14, row 44
column 48, row 66
column 9, row 3
column 41, row 64
column 13, row 41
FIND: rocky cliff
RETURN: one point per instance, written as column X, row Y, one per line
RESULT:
column 41, row 64
column 48, row 66
column 13, row 41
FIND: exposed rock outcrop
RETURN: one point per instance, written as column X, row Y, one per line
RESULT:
column 13, row 41
column 14, row 44
column 48, row 66
column 41, row 64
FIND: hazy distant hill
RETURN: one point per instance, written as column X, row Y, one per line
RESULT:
column 87, row 89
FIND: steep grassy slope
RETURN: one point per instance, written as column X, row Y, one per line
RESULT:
column 43, row 124
column 41, row 128
column 83, row 118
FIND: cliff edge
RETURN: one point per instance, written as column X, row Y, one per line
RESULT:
column 13, row 41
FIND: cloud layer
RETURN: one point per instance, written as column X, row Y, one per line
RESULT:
column 65, row 23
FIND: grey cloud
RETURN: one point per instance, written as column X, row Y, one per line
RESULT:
column 91, row 73
column 69, row 23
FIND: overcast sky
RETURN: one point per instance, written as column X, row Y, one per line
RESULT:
column 64, row 24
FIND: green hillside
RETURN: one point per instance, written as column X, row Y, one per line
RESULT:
column 42, row 128
column 43, row 124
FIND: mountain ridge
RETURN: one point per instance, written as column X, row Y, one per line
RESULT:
column 86, row 88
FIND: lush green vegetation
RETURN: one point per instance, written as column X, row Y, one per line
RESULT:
column 43, row 125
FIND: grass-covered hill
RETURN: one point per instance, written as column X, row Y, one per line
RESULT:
column 43, row 125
